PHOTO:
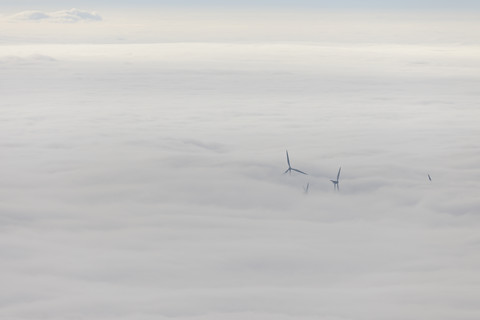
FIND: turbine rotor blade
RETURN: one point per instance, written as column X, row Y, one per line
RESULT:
column 298, row 171
column 288, row 159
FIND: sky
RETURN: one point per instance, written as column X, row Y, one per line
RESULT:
column 340, row 4
column 143, row 155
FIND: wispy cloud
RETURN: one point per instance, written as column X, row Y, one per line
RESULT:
column 26, row 60
column 62, row 16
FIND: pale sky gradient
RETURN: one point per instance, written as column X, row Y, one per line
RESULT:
column 340, row 4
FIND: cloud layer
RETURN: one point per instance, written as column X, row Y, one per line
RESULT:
column 144, row 181
column 242, row 26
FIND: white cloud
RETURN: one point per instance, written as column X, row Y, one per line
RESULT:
column 63, row 16
column 31, row 15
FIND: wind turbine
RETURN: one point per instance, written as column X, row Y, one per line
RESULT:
column 429, row 178
column 335, row 182
column 290, row 168
column 305, row 189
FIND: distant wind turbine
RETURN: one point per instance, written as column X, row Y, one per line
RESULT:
column 306, row 188
column 429, row 178
column 335, row 182
column 290, row 168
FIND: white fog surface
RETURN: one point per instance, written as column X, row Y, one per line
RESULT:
column 144, row 181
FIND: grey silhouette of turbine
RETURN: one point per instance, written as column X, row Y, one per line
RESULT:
column 290, row 169
column 429, row 178
column 335, row 182
column 306, row 188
